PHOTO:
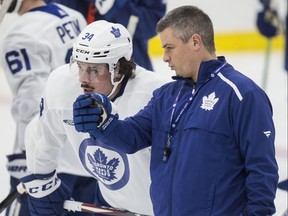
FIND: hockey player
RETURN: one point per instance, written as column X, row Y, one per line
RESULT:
column 101, row 64
column 138, row 16
column 40, row 40
column 211, row 131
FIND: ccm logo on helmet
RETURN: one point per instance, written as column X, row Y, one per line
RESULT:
column 45, row 187
column 82, row 51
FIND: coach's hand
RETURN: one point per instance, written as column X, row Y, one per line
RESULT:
column 46, row 194
column 94, row 114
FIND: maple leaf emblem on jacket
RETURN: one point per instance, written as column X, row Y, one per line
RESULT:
column 209, row 102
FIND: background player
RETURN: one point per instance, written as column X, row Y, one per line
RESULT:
column 138, row 16
column 37, row 42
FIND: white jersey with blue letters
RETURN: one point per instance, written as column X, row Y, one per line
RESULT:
column 39, row 41
column 124, row 179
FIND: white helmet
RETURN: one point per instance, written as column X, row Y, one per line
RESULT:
column 9, row 6
column 103, row 42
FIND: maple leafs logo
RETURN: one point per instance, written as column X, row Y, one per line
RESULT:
column 116, row 32
column 209, row 102
column 102, row 168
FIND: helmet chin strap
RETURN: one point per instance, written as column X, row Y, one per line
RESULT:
column 114, row 83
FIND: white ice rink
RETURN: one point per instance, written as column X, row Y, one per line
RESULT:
column 251, row 64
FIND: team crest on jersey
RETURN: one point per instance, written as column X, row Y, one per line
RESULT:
column 106, row 165
column 104, row 168
column 208, row 102
column 116, row 32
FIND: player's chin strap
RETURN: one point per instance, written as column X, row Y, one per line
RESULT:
column 115, row 84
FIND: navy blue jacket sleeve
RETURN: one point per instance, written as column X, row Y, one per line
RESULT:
column 255, row 133
column 133, row 133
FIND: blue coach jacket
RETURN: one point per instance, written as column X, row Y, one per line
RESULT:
column 222, row 159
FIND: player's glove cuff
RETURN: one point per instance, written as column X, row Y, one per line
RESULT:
column 16, row 165
column 46, row 194
column 39, row 186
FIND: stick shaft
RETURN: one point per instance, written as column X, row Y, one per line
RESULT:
column 85, row 207
column 18, row 191
column 68, row 204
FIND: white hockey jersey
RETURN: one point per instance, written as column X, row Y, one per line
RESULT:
column 39, row 41
column 125, row 179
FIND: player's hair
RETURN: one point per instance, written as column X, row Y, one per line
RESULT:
column 127, row 68
column 186, row 21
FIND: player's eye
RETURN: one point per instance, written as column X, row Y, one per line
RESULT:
column 92, row 70
column 168, row 49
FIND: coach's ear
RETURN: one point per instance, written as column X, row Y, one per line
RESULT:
column 195, row 42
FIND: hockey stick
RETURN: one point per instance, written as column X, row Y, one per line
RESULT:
column 11, row 197
column 68, row 204
column 266, row 63
column 71, row 205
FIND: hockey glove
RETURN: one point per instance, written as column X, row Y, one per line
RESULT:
column 46, row 194
column 268, row 22
column 17, row 169
column 94, row 114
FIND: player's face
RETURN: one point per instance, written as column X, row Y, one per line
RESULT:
column 95, row 78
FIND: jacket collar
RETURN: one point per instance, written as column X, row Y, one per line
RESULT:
column 205, row 69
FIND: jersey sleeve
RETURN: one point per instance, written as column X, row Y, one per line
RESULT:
column 44, row 139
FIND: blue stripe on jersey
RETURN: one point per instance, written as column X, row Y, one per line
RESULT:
column 51, row 9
